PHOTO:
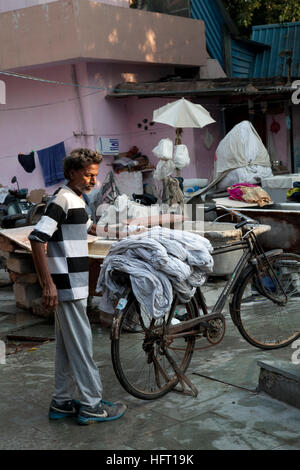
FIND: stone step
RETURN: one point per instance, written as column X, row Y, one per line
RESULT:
column 25, row 294
column 281, row 379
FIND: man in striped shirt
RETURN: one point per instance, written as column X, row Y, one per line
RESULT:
column 63, row 275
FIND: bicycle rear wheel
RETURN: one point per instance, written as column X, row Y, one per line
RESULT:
column 263, row 322
column 138, row 351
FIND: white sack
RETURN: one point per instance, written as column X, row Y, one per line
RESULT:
column 241, row 147
column 181, row 156
column 164, row 168
column 164, row 149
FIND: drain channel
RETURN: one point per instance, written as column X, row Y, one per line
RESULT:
column 17, row 343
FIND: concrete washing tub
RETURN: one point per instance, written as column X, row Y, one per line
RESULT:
column 220, row 233
column 284, row 219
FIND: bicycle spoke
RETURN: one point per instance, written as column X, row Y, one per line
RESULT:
column 139, row 355
column 267, row 317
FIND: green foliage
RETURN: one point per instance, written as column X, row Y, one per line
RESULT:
column 248, row 13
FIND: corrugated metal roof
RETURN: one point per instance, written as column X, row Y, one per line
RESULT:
column 209, row 12
column 215, row 17
column 242, row 60
column 280, row 37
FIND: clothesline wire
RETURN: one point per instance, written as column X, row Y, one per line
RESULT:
column 141, row 133
column 49, row 104
column 119, row 134
column 45, row 146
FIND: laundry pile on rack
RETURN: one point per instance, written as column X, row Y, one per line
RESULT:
column 160, row 262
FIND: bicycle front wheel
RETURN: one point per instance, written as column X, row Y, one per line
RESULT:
column 139, row 347
column 262, row 321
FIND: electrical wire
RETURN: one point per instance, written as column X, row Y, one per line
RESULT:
column 102, row 89
column 52, row 82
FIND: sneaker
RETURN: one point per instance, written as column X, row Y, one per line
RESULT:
column 69, row 408
column 105, row 411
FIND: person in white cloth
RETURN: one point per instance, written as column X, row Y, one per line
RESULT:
column 63, row 275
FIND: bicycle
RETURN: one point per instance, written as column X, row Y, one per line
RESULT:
column 150, row 356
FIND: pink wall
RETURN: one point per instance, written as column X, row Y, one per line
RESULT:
column 121, row 116
column 38, row 115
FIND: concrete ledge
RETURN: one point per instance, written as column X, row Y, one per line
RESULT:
column 71, row 30
column 280, row 380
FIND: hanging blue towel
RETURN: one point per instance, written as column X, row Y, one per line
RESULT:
column 51, row 162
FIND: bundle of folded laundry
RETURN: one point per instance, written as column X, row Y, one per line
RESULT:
column 160, row 262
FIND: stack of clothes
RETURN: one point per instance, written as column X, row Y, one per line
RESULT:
column 160, row 262
column 133, row 160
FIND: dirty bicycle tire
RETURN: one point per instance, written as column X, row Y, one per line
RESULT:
column 261, row 321
column 137, row 350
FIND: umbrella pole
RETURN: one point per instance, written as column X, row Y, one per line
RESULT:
column 178, row 142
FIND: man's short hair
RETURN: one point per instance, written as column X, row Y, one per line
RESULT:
column 80, row 158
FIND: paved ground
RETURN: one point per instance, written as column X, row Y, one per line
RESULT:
column 228, row 413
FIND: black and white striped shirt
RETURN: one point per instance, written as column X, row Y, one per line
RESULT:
column 64, row 228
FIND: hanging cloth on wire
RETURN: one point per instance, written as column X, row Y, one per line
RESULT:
column 27, row 161
column 51, row 163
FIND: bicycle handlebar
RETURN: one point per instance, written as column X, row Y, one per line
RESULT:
column 245, row 220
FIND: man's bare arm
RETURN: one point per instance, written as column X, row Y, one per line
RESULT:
column 50, row 300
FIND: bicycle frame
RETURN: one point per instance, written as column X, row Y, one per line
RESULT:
column 242, row 263
column 251, row 252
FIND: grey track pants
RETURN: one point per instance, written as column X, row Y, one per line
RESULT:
column 74, row 363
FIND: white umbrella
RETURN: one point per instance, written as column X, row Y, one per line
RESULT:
column 182, row 113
